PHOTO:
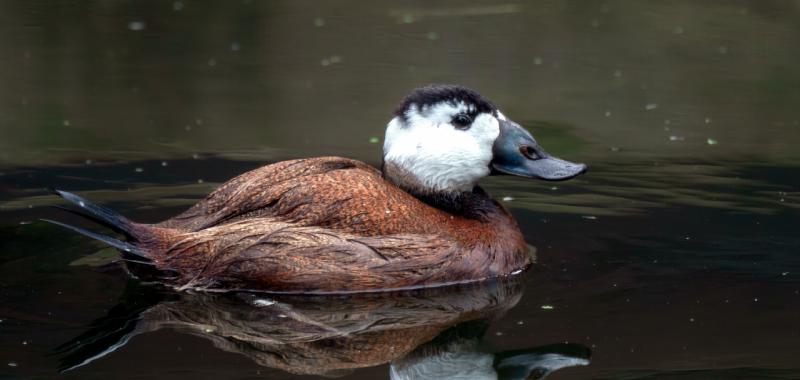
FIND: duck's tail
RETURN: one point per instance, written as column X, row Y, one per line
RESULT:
column 134, row 232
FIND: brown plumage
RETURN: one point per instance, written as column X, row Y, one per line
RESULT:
column 332, row 224
column 326, row 225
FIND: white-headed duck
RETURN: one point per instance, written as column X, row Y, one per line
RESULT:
column 331, row 224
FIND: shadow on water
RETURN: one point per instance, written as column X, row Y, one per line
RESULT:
column 432, row 333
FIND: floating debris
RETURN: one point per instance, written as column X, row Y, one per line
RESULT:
column 433, row 36
column 319, row 22
column 589, row 217
column 547, row 307
column 537, row 61
column 138, row 170
column 608, row 113
column 263, row 302
column 676, row 138
column 195, row 156
column 200, row 180
column 88, row 161
column 617, row 73
column 66, row 123
column 711, row 141
column 650, row 106
column 374, row 140
column 782, row 274
column 614, row 149
column 508, row 199
column 164, row 163
column 137, row 25
column 12, row 364
column 707, row 120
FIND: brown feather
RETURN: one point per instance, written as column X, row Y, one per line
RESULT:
column 330, row 224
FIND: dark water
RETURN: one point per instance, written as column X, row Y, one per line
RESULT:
column 675, row 257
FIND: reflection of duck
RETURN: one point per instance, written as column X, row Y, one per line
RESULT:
column 311, row 335
column 333, row 224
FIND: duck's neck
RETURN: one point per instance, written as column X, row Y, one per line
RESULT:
column 474, row 204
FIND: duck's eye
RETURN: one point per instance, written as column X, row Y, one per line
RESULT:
column 462, row 121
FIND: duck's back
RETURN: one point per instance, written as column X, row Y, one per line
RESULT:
column 329, row 192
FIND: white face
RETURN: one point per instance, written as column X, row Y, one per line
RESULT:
column 440, row 154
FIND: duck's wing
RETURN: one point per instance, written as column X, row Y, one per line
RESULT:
column 266, row 254
column 310, row 192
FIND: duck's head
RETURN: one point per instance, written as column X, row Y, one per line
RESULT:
column 444, row 138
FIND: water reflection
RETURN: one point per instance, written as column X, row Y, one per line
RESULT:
column 432, row 333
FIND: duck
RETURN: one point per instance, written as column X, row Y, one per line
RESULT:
column 336, row 225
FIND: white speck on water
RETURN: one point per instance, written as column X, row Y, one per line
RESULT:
column 177, row 6
column 208, row 330
column 508, row 199
column 195, row 156
column 81, row 204
column 200, row 180
column 25, row 222
column 617, row 73
column 723, row 50
column 517, row 271
column 499, row 333
column 12, row 364
column 432, row 36
column 691, row 319
column 336, row 59
column 235, row 46
column 547, row 307
column 66, row 123
column 212, row 62
column 24, row 342
column 755, row 299
column 589, row 217
column 138, row 170
column 667, row 122
column 164, row 163
column 614, row 149
column 520, row 323
column 782, row 274
column 608, row 113
column 408, row 18
column 319, row 22
column 198, row 121
column 676, row 138
column 537, row 61
column 283, row 316
column 137, row 25
column 707, row 120
column 374, row 140
column 261, row 302
column 554, row 188
column 677, row 30
column 325, row 62
column 650, row 106
column 711, row 141
column 594, row 23
column 88, row 161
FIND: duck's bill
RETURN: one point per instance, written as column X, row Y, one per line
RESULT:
column 517, row 153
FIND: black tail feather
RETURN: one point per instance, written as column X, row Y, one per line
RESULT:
column 100, row 214
column 121, row 245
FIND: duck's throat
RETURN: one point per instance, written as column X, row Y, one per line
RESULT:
column 475, row 204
